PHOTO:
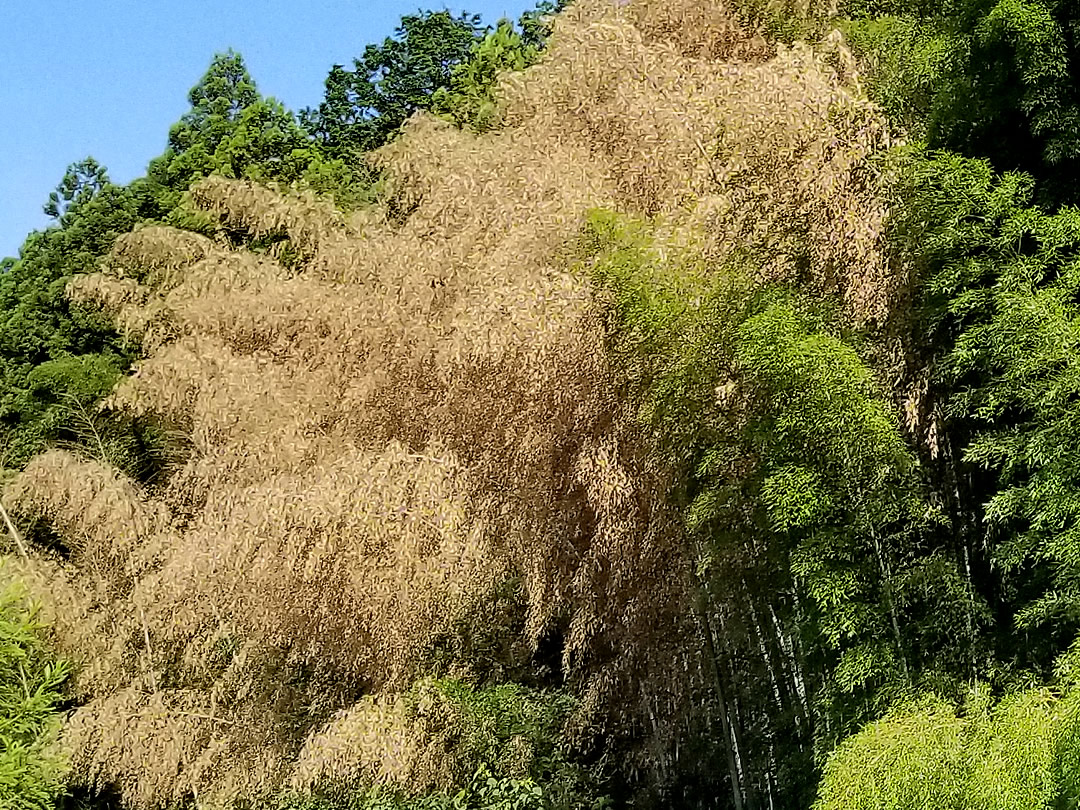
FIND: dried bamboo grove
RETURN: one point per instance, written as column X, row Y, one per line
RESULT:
column 383, row 424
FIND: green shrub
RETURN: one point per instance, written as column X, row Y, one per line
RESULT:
column 31, row 683
column 1017, row 754
column 506, row 743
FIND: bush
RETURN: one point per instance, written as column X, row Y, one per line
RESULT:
column 1017, row 753
column 31, row 682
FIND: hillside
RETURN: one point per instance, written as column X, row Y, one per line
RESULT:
column 687, row 423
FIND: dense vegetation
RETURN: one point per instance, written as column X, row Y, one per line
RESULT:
column 643, row 404
column 31, row 684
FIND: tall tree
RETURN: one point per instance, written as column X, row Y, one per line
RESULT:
column 365, row 106
column 52, row 350
column 469, row 101
column 224, row 101
column 80, row 183
column 993, row 80
column 56, row 355
column 218, row 101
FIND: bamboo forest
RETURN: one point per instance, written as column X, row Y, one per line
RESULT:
column 637, row 404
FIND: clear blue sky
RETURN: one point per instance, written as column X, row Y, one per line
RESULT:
column 108, row 77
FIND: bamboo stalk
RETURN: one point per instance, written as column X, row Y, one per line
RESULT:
column 15, row 533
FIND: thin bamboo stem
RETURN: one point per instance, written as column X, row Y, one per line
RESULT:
column 15, row 534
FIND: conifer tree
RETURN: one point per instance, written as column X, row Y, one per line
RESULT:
column 364, row 107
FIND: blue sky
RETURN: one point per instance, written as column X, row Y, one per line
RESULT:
column 107, row 78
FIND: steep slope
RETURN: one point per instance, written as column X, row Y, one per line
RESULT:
column 390, row 418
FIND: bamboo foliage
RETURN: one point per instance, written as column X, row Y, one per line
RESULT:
column 105, row 523
column 373, row 741
column 420, row 406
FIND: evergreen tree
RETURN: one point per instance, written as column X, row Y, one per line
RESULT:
column 364, row 107
column 233, row 131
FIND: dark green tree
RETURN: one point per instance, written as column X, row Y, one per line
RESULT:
column 993, row 79
column 231, row 130
column 469, row 100
column 39, row 325
column 827, row 585
column 535, row 24
column 218, row 101
column 364, row 107
column 80, row 183
column 1000, row 317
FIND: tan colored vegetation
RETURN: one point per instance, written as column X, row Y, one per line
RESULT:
column 423, row 408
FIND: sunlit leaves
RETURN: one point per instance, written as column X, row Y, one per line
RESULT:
column 469, row 100
column 789, row 453
column 906, row 761
column 365, row 107
column 1001, row 281
column 795, row 498
column 31, row 686
column 1017, row 754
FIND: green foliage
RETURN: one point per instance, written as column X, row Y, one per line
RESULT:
column 435, row 62
column 912, row 759
column 484, row 792
column 671, row 330
column 232, row 131
column 535, row 23
column 81, row 182
column 1067, row 753
column 218, row 102
column 804, row 506
column 1000, row 306
column 991, row 236
column 725, row 377
column 59, row 359
column 31, row 687
column 506, row 740
column 994, row 80
column 906, row 60
column 492, row 718
column 468, row 100
column 364, row 108
column 821, row 410
column 52, row 350
column 1013, row 747
column 1017, row 754
column 840, row 490
column 488, row 646
column 58, row 399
